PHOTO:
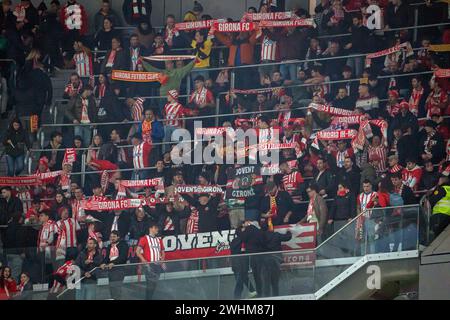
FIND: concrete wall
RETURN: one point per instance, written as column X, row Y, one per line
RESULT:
column 216, row 8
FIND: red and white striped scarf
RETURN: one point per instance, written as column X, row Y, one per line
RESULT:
column 383, row 53
column 199, row 97
column 101, row 89
column 168, row 224
column 137, row 110
column 192, row 223
column 414, row 100
column 113, row 252
column 111, row 58
column 331, row 110
column 77, row 208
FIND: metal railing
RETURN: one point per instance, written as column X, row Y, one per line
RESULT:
column 315, row 250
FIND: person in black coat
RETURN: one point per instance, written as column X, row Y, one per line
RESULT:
column 240, row 266
column 324, row 179
column 105, row 35
column 116, row 254
column 407, row 145
column 42, row 88
column 34, row 91
column 207, row 207
column 433, row 144
column 51, row 35
column 342, row 99
column 31, row 14
column 7, row 18
column 55, row 158
column 88, row 260
column 117, row 220
column 284, row 205
column 253, row 238
column 113, row 109
column 342, row 211
column 11, row 211
column 430, row 176
column 272, row 263
column 405, row 117
column 15, row 142
column 25, row 288
column 139, row 224
column 169, row 218
column 119, row 62
column 350, row 176
column 398, row 15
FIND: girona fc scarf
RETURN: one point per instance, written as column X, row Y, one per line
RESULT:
column 331, row 110
column 46, row 177
column 274, row 146
column 348, row 119
column 138, row 76
column 287, row 23
column 332, row 135
column 169, row 57
column 112, row 205
column 233, row 26
column 269, row 16
column 196, row 25
column 383, row 53
column 255, row 91
column 212, row 189
column 20, row 181
column 364, row 124
column 157, row 182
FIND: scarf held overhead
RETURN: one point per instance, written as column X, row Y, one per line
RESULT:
column 137, row 76
column 169, row 57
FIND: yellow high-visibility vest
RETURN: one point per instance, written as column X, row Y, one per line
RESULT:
column 443, row 205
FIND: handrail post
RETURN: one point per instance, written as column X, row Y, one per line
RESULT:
column 232, row 83
column 188, row 86
column 83, row 169
column 416, row 23
column 55, row 107
column 217, row 110
column 41, row 138
column 29, row 162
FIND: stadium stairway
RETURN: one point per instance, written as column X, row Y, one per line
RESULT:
column 434, row 268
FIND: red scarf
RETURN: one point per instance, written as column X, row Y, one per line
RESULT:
column 113, row 252
column 111, row 58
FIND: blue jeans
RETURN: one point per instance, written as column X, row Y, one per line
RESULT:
column 357, row 65
column 85, row 132
column 15, row 165
column 289, row 71
column 87, row 291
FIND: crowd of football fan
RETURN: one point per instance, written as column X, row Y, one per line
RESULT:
column 334, row 181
